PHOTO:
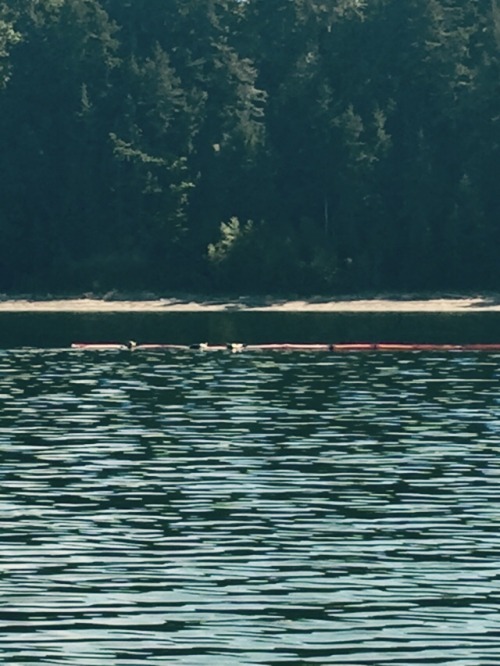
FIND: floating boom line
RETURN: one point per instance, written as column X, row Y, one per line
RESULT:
column 287, row 346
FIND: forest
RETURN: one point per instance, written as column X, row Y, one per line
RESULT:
column 253, row 146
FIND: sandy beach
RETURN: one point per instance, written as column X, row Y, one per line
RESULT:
column 264, row 303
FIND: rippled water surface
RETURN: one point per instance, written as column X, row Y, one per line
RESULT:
column 220, row 509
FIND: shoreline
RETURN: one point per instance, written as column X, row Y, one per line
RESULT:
column 92, row 304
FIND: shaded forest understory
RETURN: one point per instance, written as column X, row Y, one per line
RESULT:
column 253, row 145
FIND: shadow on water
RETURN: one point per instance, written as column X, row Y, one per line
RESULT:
column 51, row 329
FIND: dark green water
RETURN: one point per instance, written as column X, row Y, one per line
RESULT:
column 236, row 509
column 52, row 329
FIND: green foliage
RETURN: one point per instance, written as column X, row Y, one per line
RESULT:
column 9, row 37
column 232, row 235
column 364, row 137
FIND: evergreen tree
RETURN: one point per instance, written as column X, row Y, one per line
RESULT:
column 60, row 71
column 333, row 144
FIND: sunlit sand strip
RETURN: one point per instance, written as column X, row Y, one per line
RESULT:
column 264, row 304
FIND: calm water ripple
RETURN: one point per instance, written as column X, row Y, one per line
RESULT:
column 227, row 509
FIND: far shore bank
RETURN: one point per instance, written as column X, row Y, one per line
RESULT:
column 203, row 303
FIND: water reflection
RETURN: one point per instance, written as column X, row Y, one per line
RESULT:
column 60, row 329
column 190, row 508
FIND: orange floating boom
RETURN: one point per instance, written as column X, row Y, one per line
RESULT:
column 291, row 346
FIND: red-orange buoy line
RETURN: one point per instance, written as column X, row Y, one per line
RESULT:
column 289, row 346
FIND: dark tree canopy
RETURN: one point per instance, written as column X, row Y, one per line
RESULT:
column 294, row 145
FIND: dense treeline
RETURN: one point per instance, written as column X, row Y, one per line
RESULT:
column 292, row 145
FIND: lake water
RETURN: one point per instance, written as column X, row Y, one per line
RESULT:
column 54, row 329
column 218, row 509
